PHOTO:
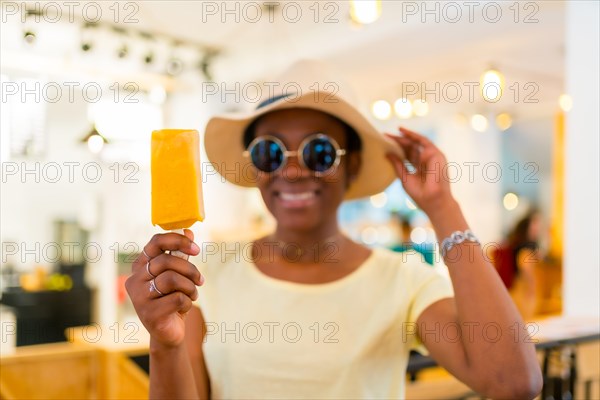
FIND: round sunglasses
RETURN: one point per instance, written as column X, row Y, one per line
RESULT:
column 318, row 153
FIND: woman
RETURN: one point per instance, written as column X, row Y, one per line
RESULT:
column 306, row 312
column 524, row 252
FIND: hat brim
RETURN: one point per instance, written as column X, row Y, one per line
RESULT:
column 223, row 141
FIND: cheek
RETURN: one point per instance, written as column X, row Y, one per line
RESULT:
column 336, row 182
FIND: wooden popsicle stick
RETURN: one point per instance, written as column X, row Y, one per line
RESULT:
column 178, row 253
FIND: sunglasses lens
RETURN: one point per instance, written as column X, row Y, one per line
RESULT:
column 266, row 155
column 319, row 154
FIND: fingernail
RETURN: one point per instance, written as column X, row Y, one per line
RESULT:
column 195, row 248
column 201, row 280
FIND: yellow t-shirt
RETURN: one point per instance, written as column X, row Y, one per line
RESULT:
column 348, row 339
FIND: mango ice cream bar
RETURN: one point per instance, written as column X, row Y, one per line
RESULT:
column 176, row 179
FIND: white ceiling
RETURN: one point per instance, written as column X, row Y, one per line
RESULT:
column 376, row 58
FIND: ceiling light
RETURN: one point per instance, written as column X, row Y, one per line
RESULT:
column 566, row 102
column 420, row 108
column 365, row 11
column 379, row 200
column 29, row 37
column 157, row 94
column 503, row 121
column 418, row 235
column 410, row 204
column 149, row 58
column 510, row 201
column 95, row 141
column 381, row 109
column 460, row 119
column 123, row 51
column 479, row 123
column 369, row 235
column 174, row 66
column 492, row 85
column 87, row 36
column 403, row 108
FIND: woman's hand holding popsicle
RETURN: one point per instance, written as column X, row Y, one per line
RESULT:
column 162, row 287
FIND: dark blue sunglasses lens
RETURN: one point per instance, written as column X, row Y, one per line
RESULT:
column 319, row 154
column 267, row 155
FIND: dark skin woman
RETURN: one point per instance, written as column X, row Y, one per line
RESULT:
column 305, row 208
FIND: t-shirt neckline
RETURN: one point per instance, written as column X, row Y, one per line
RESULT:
column 352, row 276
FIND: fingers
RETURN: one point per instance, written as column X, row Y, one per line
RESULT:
column 406, row 177
column 169, row 304
column 414, row 136
column 166, row 262
column 170, row 242
column 169, row 282
column 412, row 149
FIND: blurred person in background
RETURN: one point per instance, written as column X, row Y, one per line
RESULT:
column 517, row 260
column 405, row 243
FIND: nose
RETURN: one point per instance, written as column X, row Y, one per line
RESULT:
column 293, row 169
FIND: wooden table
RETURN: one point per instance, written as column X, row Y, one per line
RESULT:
column 94, row 363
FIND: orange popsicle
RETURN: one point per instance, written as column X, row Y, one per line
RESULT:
column 176, row 179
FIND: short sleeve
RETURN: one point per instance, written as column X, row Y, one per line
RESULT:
column 430, row 286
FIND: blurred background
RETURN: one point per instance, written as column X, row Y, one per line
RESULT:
column 508, row 90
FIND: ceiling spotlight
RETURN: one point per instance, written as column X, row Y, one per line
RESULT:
column 87, row 36
column 206, row 62
column 95, row 141
column 149, row 58
column 123, row 51
column 174, row 66
column 29, row 37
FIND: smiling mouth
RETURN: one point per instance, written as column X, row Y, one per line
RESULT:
column 296, row 196
column 297, row 200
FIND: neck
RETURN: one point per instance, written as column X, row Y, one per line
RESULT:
column 305, row 247
column 307, row 238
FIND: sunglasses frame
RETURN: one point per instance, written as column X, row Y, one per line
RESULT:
column 339, row 152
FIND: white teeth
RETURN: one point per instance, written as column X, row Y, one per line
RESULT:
column 296, row 196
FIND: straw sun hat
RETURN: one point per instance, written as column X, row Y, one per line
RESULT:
column 306, row 84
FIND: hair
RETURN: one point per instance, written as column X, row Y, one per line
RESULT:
column 520, row 233
column 353, row 141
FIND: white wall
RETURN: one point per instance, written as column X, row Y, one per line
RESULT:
column 581, row 259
